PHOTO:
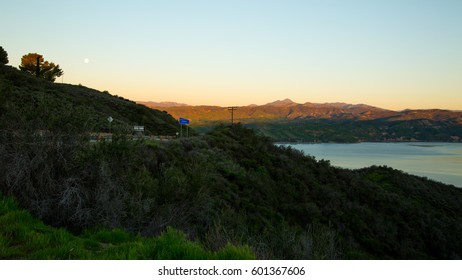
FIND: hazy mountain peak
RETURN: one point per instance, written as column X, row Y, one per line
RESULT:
column 285, row 102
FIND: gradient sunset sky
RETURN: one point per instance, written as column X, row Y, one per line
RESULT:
column 394, row 54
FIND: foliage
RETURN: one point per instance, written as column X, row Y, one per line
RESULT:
column 3, row 56
column 46, row 70
column 233, row 187
column 351, row 131
column 24, row 237
column 348, row 131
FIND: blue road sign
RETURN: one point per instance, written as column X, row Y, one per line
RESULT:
column 183, row 121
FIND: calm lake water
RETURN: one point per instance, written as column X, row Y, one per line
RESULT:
column 438, row 161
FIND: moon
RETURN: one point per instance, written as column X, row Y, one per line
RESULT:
column 86, row 60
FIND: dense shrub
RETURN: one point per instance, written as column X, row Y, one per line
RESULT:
column 233, row 187
column 24, row 237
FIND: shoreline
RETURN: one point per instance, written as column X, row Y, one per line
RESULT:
column 438, row 161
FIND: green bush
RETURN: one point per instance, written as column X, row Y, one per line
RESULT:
column 24, row 237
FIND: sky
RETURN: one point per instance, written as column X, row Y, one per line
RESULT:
column 394, row 54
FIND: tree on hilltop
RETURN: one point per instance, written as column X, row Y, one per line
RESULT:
column 3, row 56
column 34, row 64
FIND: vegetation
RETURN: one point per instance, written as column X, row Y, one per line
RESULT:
column 234, row 187
column 351, row 131
column 34, row 64
column 24, row 237
column 3, row 56
column 230, row 187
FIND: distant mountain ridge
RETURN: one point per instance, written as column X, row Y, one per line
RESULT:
column 285, row 120
column 163, row 104
column 288, row 110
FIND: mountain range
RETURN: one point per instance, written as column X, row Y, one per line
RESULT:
column 288, row 110
column 285, row 120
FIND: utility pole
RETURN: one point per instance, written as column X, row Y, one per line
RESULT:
column 232, row 109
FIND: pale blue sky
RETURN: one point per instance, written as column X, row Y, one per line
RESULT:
column 392, row 54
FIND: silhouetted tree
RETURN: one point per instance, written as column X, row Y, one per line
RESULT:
column 34, row 64
column 3, row 56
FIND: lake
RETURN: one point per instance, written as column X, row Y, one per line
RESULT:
column 438, row 161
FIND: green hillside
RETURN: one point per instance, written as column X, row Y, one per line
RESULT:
column 24, row 237
column 43, row 105
column 349, row 131
column 229, row 188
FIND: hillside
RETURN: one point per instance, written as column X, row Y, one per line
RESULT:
column 233, row 187
column 285, row 120
column 70, row 108
column 227, row 191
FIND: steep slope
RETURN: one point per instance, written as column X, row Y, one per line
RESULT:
column 26, row 100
